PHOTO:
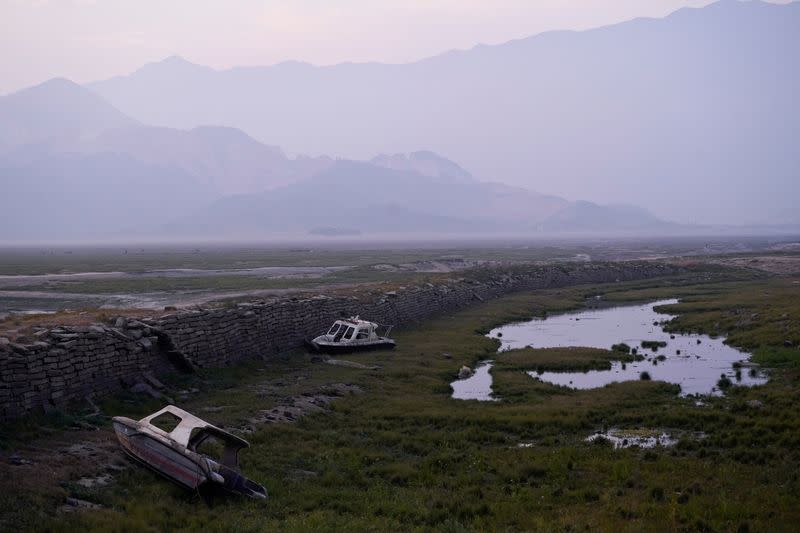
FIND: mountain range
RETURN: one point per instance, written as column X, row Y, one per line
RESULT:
column 72, row 166
column 692, row 116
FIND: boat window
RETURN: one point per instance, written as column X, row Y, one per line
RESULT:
column 349, row 333
column 208, row 445
column 334, row 329
column 362, row 334
column 165, row 422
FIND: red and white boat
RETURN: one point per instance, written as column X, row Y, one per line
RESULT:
column 193, row 454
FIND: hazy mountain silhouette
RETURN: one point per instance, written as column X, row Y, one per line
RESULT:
column 79, row 196
column 59, row 117
column 224, row 158
column 95, row 173
column 423, row 162
column 585, row 217
column 55, row 112
column 352, row 196
column 693, row 116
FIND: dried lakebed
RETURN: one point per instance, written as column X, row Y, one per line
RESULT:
column 695, row 362
column 47, row 293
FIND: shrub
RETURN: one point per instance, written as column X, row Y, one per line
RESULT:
column 645, row 376
column 653, row 345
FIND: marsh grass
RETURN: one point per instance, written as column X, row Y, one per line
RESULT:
column 568, row 359
column 653, row 345
column 404, row 456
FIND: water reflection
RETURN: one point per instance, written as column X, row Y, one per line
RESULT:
column 695, row 362
column 476, row 387
column 626, row 439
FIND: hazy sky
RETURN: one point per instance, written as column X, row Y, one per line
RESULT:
column 86, row 40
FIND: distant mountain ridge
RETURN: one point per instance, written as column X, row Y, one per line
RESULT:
column 584, row 217
column 359, row 198
column 60, row 116
column 96, row 173
column 691, row 116
column 55, row 112
column 225, row 158
column 77, row 196
column 423, row 162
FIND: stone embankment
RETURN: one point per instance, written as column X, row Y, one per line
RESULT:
column 70, row 363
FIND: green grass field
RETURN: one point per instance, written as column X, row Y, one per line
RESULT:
column 404, row 456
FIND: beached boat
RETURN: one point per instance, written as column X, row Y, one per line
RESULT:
column 352, row 335
column 192, row 454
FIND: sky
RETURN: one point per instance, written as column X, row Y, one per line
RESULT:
column 88, row 40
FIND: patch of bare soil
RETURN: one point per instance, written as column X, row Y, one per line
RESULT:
column 292, row 408
column 783, row 265
column 49, row 466
column 349, row 364
column 438, row 266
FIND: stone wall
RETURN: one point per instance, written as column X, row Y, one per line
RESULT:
column 74, row 362
column 70, row 363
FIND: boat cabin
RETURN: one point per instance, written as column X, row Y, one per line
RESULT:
column 352, row 329
column 352, row 334
column 187, row 449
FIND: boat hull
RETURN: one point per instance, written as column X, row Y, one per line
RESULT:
column 161, row 457
column 335, row 348
column 169, row 454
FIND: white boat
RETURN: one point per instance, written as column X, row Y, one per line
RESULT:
column 352, row 335
column 181, row 454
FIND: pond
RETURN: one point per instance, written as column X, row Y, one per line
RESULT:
column 476, row 387
column 695, row 362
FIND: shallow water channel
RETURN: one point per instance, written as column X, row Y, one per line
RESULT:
column 476, row 387
column 695, row 362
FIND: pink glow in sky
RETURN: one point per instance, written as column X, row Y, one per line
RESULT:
column 86, row 40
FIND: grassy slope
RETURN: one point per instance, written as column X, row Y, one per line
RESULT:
column 404, row 456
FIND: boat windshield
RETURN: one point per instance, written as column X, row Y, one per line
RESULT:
column 334, row 328
column 349, row 333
